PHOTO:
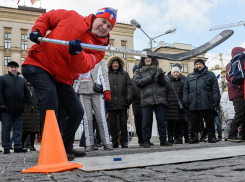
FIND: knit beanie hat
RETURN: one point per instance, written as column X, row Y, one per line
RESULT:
column 108, row 13
column 199, row 60
column 135, row 67
column 175, row 69
column 13, row 63
column 236, row 50
column 177, row 65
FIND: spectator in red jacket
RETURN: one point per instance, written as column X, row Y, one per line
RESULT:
column 51, row 68
column 236, row 95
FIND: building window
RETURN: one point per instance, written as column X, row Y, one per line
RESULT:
column 23, row 42
column 7, row 41
column 6, row 60
column 182, row 68
column 111, row 45
column 22, row 60
column 186, row 68
column 123, row 46
column 171, row 66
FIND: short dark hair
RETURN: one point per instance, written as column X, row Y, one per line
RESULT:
column 13, row 63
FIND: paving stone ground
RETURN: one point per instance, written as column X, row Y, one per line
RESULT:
column 228, row 169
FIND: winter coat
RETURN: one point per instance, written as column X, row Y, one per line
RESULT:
column 31, row 121
column 151, row 89
column 136, row 99
column 54, row 58
column 227, row 106
column 173, row 112
column 13, row 92
column 234, row 91
column 84, row 84
column 201, row 90
column 121, row 87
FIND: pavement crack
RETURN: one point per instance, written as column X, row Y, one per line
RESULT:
column 239, row 169
column 199, row 169
column 7, row 165
column 24, row 167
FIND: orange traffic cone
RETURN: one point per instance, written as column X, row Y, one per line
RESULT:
column 52, row 157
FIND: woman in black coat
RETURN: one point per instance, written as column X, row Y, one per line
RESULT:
column 121, row 98
column 174, row 115
column 151, row 80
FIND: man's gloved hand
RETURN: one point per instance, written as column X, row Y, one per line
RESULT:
column 129, row 101
column 34, row 36
column 216, row 104
column 75, row 47
column 107, row 95
column 160, row 76
column 31, row 108
column 3, row 108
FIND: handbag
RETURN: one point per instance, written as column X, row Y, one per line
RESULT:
column 97, row 87
column 181, row 107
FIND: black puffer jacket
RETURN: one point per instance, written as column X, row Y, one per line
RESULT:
column 136, row 99
column 31, row 121
column 120, row 84
column 13, row 92
column 201, row 90
column 151, row 89
column 173, row 113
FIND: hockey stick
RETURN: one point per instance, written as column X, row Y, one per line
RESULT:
column 174, row 57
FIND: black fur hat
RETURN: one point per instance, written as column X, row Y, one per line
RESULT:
column 142, row 61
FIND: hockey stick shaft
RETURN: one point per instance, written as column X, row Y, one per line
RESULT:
column 98, row 47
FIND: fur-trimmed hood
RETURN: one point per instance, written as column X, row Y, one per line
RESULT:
column 142, row 61
column 121, row 61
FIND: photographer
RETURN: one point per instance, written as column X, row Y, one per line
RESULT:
column 150, row 78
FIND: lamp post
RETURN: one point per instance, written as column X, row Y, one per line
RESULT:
column 137, row 25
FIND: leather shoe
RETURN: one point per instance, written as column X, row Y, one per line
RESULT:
column 6, row 151
column 108, row 147
column 70, row 157
column 77, row 153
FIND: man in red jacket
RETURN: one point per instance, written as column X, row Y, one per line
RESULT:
column 50, row 68
column 236, row 95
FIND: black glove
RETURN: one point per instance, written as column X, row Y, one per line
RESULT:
column 153, row 74
column 34, row 36
column 160, row 76
column 129, row 101
column 31, row 108
column 3, row 108
column 216, row 104
column 75, row 47
column 186, row 106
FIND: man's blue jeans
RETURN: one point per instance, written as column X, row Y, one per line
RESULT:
column 218, row 124
column 7, row 120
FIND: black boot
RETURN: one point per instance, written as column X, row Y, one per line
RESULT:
column 194, row 138
column 170, row 138
column 124, row 145
column 115, row 144
column 210, row 137
column 203, row 138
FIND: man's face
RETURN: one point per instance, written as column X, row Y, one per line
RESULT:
column 101, row 27
column 199, row 65
column 13, row 69
column 148, row 61
column 115, row 65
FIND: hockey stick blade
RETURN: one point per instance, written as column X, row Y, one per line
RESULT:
column 174, row 57
column 195, row 52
